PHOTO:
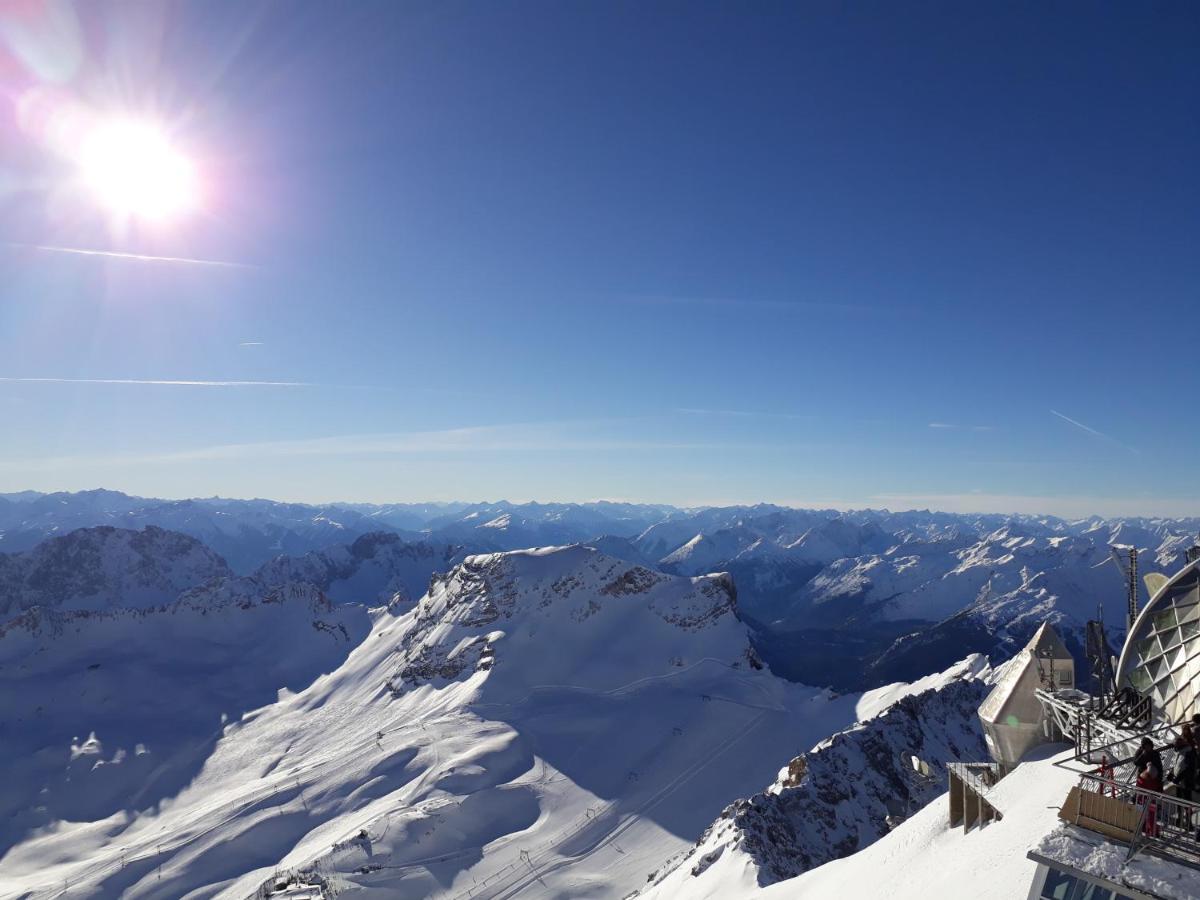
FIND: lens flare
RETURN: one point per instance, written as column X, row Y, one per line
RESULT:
column 132, row 169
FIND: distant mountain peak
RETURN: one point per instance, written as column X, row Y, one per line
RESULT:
column 104, row 566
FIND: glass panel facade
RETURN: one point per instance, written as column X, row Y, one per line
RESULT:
column 1177, row 658
column 1187, row 696
column 1140, row 680
column 1058, row 885
column 1164, row 620
column 1162, row 655
column 1064, row 886
column 1148, row 647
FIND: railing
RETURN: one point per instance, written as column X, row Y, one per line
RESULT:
column 1118, row 755
column 1147, row 820
column 1129, row 709
column 1109, row 732
column 981, row 776
column 1077, row 716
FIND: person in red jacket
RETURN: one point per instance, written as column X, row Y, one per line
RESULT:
column 1149, row 766
column 1107, row 774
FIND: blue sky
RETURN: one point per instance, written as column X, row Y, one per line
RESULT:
column 874, row 254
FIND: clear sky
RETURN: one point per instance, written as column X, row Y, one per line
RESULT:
column 851, row 254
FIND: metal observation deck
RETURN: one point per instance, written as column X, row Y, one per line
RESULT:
column 1106, row 800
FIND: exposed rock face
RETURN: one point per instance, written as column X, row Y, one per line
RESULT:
column 104, row 567
column 245, row 593
column 477, row 612
column 377, row 568
column 851, row 789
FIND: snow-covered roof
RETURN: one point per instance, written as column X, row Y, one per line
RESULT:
column 1010, row 676
column 1070, row 848
column 1046, row 644
column 1011, row 686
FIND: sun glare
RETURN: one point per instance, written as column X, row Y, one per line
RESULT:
column 133, row 170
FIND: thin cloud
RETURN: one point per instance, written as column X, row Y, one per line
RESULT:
column 134, row 257
column 1094, row 432
column 250, row 343
column 726, row 302
column 740, row 413
column 171, row 382
column 949, row 426
column 478, row 439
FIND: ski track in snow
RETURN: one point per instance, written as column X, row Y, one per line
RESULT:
column 652, row 703
column 290, row 782
column 513, row 733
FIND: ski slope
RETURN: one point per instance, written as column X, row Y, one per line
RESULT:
column 543, row 722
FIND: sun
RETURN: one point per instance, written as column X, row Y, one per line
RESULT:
column 133, row 170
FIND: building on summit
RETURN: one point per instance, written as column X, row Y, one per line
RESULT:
column 1128, row 827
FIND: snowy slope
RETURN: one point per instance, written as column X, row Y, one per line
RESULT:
column 1007, row 575
column 103, row 567
column 510, row 526
column 924, row 857
column 248, row 533
column 847, row 792
column 544, row 722
column 106, row 714
column 899, row 594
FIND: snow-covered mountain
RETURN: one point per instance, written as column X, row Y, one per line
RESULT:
column 899, row 593
column 543, row 722
column 103, row 567
column 559, row 721
column 105, row 716
column 510, row 526
column 246, row 533
column 847, row 792
column 904, row 594
column 108, row 568
column 372, row 570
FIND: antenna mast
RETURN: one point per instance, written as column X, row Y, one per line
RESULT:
column 1130, row 572
column 1133, row 592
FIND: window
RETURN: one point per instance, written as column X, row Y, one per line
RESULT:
column 1064, row 677
column 1063, row 886
column 1058, row 885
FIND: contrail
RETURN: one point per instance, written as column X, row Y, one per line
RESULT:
column 159, row 381
column 137, row 257
column 1093, row 431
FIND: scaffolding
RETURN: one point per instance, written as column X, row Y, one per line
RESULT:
column 969, row 785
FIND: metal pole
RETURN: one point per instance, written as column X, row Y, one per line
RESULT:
column 1132, row 587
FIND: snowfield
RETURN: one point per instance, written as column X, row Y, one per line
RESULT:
column 847, row 792
column 395, row 717
column 542, row 722
column 897, row 594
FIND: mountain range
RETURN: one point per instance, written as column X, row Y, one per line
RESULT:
column 900, row 594
column 579, row 717
column 410, row 711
